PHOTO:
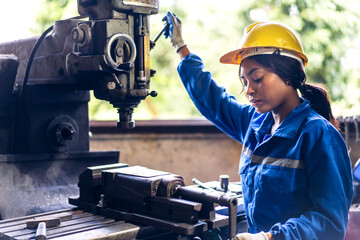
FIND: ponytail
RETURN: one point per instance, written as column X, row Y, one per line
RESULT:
column 290, row 70
column 319, row 100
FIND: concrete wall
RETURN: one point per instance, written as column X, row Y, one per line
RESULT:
column 204, row 156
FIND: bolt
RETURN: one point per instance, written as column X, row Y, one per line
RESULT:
column 102, row 202
column 119, row 51
column 111, row 85
column 78, row 35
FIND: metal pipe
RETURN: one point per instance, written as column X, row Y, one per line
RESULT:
column 140, row 67
column 356, row 123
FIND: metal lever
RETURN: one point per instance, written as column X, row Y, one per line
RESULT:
column 152, row 44
column 222, row 200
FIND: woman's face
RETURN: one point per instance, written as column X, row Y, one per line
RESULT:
column 265, row 90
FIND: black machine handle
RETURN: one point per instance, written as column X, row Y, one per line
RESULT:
column 222, row 200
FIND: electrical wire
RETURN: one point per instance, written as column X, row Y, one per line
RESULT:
column 31, row 58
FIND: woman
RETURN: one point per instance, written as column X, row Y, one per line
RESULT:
column 294, row 167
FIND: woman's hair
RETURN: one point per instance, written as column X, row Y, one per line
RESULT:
column 291, row 71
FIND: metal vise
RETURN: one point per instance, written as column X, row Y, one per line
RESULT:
column 145, row 196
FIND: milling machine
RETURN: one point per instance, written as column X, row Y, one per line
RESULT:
column 45, row 83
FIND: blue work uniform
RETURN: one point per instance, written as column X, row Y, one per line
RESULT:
column 297, row 183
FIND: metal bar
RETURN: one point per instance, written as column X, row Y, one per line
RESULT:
column 201, row 184
column 161, row 32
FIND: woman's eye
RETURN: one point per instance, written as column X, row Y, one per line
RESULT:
column 258, row 79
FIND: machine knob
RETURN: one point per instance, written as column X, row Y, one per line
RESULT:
column 152, row 72
column 224, row 182
column 153, row 93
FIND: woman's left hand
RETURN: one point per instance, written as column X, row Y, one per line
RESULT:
column 249, row 236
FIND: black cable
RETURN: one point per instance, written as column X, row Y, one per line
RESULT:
column 31, row 58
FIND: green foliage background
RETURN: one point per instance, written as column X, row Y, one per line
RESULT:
column 329, row 31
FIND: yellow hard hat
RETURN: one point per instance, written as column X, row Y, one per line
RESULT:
column 266, row 38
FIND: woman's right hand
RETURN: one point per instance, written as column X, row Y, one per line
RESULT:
column 174, row 31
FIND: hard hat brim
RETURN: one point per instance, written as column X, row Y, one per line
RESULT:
column 234, row 57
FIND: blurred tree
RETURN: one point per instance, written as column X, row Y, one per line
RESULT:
column 328, row 30
column 53, row 10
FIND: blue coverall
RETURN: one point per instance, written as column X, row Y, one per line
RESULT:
column 297, row 183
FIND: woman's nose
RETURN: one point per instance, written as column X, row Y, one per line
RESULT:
column 249, row 89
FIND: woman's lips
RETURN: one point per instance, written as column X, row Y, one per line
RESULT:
column 255, row 103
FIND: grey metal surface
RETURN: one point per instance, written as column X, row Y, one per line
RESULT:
column 38, row 183
column 75, row 224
